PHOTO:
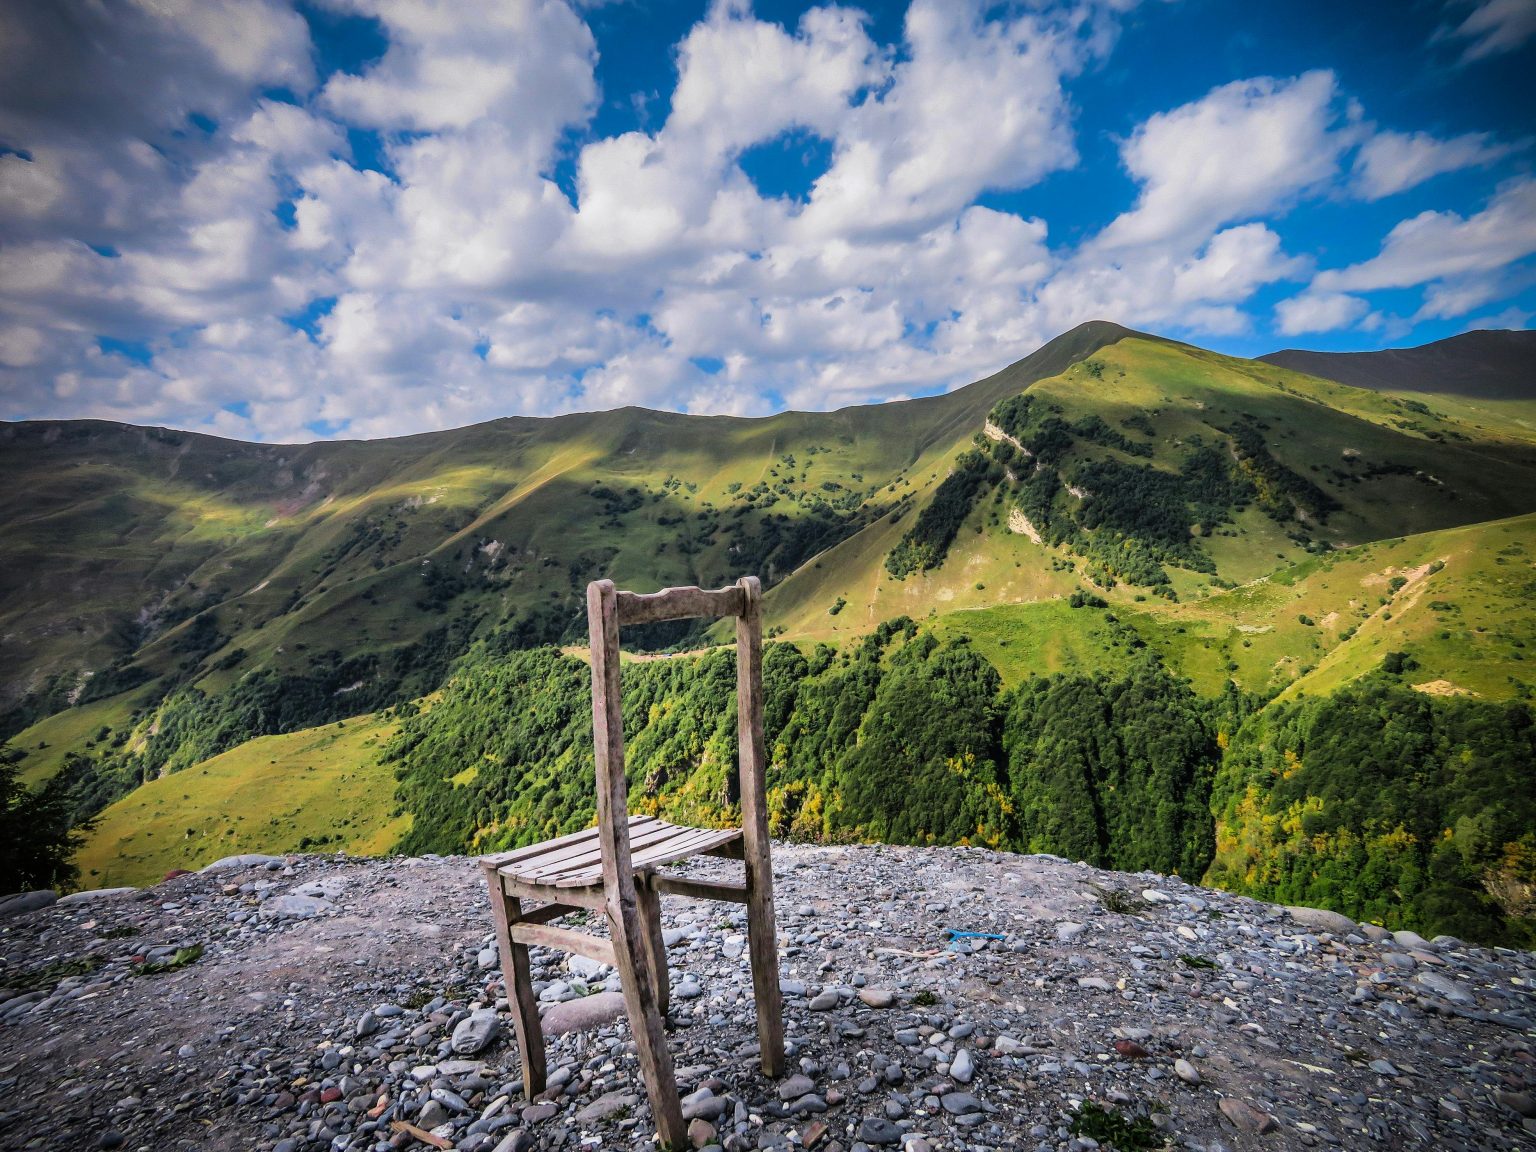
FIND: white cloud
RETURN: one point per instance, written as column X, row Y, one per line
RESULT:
column 977, row 105
column 1244, row 150
column 1493, row 26
column 1441, row 245
column 1190, row 250
column 1319, row 312
column 526, row 64
column 467, row 283
column 1392, row 162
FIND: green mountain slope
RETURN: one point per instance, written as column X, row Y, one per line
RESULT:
column 1157, row 464
column 1178, row 537
column 129, row 554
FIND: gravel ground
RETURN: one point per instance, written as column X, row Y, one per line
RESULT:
column 332, row 998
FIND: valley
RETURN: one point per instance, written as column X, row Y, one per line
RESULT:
column 226, row 647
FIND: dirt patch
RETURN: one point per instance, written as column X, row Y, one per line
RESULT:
column 1019, row 523
column 1442, row 688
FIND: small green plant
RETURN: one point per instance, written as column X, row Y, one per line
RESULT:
column 924, row 998
column 1119, row 900
column 837, row 606
column 47, row 976
column 1109, row 1126
column 119, row 931
column 181, row 958
column 1198, row 961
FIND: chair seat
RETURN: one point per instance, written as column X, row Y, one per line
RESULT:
column 575, row 861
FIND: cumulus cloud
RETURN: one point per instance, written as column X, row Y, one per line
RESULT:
column 1245, row 149
column 189, row 238
column 1443, row 245
column 1319, row 312
column 1191, row 249
column 1392, row 162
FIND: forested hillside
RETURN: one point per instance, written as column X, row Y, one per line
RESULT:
column 1385, row 803
column 1081, row 607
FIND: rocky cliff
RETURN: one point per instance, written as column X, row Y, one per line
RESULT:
column 317, row 1002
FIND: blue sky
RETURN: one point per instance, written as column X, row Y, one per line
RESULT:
column 373, row 217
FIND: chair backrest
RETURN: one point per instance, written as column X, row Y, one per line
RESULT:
column 608, row 609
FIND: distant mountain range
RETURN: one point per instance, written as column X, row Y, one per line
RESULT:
column 1496, row 365
column 1281, row 528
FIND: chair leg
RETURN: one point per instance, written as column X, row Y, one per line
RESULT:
column 648, row 903
column 517, row 976
column 764, row 949
column 629, row 934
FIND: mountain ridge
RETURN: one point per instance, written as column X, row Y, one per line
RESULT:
column 1490, row 364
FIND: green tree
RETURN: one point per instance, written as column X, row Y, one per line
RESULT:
column 37, row 834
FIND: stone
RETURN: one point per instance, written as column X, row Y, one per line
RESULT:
column 585, row 968
column 584, row 1013
column 92, row 895
column 1521, row 1102
column 1185, row 1071
column 606, row 1105
column 704, row 1104
column 1382, row 1067
column 1323, row 919
column 823, row 1001
column 1445, row 987
column 291, row 907
column 701, row 1133
column 687, row 989
column 1246, row 1117
column 879, row 1131
column 1411, row 939
column 450, row 1100
column 1155, row 896
column 516, row 1140
column 432, row 1113
column 796, row 1086
column 21, row 902
column 962, row 1067
column 1068, row 931
column 877, row 997
column 244, row 860
column 959, row 1103
column 476, row 1031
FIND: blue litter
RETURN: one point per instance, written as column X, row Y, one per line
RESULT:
column 956, row 934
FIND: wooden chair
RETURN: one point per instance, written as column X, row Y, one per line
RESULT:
column 612, row 867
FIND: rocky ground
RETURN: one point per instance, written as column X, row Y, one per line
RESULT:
column 334, row 998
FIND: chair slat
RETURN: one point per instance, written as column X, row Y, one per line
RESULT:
column 583, row 855
column 538, row 857
column 692, row 842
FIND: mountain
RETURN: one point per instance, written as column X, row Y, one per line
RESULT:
column 131, row 554
column 1496, row 365
column 1066, row 608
